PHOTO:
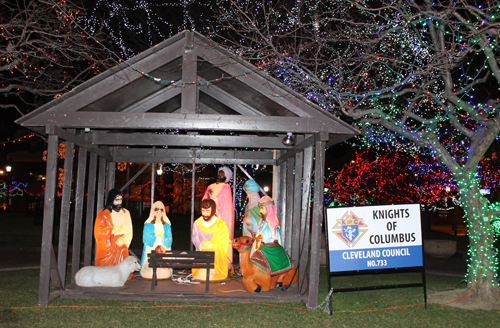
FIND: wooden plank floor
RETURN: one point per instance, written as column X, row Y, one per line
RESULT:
column 139, row 289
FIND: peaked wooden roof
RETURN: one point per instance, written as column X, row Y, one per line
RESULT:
column 182, row 93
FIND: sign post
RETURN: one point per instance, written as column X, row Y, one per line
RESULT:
column 385, row 238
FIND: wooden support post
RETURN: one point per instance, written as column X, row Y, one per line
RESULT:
column 110, row 175
column 48, row 218
column 305, row 216
column 101, row 183
column 65, row 211
column 281, row 199
column 79, row 200
column 235, row 172
column 287, row 244
column 153, row 178
column 277, row 185
column 55, row 277
column 127, row 188
column 297, row 204
column 89, row 222
column 129, row 181
column 317, row 219
column 189, row 96
column 193, row 188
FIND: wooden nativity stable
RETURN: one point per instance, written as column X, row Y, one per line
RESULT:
column 186, row 100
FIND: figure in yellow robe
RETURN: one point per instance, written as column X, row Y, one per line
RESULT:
column 210, row 234
column 221, row 193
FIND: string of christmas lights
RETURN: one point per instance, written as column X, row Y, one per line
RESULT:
column 12, row 189
column 405, row 73
column 179, row 192
column 135, row 26
column 121, row 10
column 44, row 54
column 428, row 75
column 8, row 141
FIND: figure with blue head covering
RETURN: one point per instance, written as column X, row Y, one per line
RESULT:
column 252, row 211
column 157, row 237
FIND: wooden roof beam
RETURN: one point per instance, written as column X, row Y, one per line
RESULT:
column 198, row 156
column 81, row 141
column 189, row 97
column 153, row 100
column 161, row 121
column 190, row 140
column 230, row 100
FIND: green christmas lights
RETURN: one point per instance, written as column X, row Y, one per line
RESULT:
column 412, row 75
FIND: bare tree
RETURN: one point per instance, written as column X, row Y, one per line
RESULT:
column 44, row 51
column 418, row 71
column 136, row 25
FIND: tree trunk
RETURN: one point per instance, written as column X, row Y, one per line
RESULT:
column 482, row 271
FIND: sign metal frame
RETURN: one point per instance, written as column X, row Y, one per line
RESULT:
column 351, row 229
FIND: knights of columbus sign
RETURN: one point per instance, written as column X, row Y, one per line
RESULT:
column 352, row 228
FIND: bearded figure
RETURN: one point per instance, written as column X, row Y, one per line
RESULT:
column 210, row 234
column 220, row 192
column 112, row 231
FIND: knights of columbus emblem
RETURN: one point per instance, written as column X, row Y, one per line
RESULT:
column 352, row 228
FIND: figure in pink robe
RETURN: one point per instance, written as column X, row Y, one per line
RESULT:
column 220, row 192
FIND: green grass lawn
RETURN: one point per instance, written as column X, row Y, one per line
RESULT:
column 379, row 308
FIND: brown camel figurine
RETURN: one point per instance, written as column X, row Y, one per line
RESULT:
column 254, row 278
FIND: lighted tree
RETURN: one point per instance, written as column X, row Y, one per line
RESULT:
column 489, row 175
column 45, row 51
column 137, row 25
column 389, row 177
column 425, row 72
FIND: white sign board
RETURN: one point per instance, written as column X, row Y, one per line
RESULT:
column 374, row 237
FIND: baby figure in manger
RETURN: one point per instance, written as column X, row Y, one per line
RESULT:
column 157, row 235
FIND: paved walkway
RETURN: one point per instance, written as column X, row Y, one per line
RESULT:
column 455, row 265
column 14, row 258
column 450, row 266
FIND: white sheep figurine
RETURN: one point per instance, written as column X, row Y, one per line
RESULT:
column 107, row 276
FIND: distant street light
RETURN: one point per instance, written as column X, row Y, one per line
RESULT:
column 8, row 168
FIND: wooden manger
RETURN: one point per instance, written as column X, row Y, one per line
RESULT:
column 170, row 104
column 181, row 260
